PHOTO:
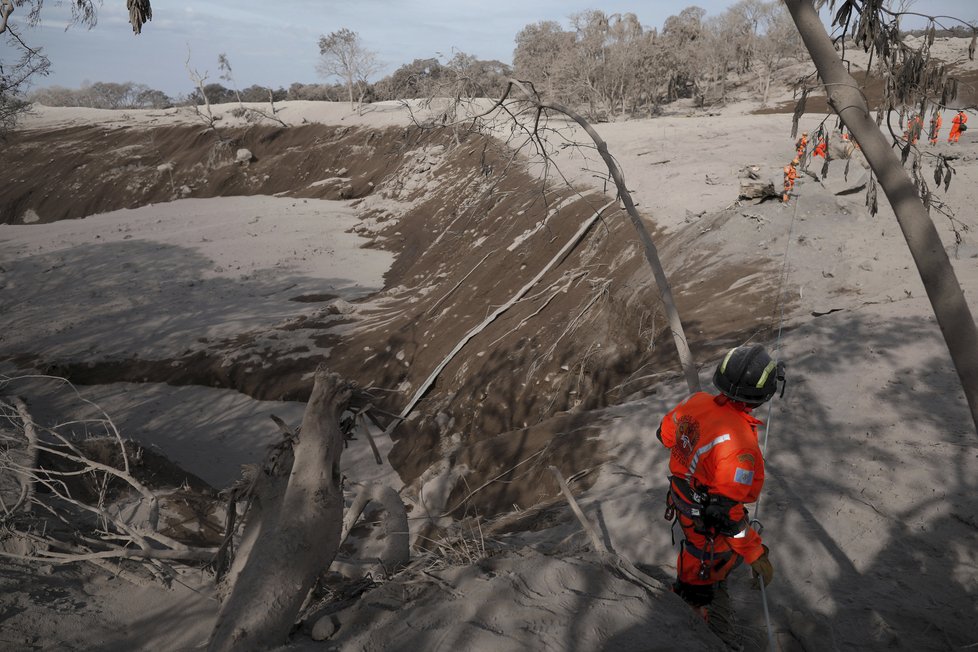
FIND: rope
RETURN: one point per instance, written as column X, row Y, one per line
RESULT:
column 777, row 343
column 770, row 407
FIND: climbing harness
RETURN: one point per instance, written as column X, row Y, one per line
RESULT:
column 684, row 499
column 707, row 514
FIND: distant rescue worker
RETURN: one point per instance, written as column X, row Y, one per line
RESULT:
column 801, row 145
column 820, row 147
column 958, row 124
column 716, row 467
column 935, row 126
column 914, row 126
column 790, row 174
column 850, row 143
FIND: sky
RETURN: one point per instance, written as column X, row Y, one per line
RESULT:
column 276, row 43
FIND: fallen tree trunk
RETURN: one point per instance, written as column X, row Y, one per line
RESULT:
column 757, row 189
column 265, row 500
column 296, row 542
column 28, row 458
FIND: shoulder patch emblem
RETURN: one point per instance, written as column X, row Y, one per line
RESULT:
column 746, row 458
column 743, row 476
column 687, row 437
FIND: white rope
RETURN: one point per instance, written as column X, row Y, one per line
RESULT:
column 777, row 343
column 770, row 409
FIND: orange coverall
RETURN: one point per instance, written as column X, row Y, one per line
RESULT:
column 800, row 146
column 819, row 148
column 713, row 443
column 956, row 123
column 914, row 126
column 790, row 174
column 935, row 127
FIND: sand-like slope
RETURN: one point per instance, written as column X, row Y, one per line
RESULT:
column 872, row 459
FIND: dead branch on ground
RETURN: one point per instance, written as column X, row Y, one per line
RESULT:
column 79, row 497
column 297, row 540
column 613, row 560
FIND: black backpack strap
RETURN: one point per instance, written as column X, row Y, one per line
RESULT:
column 684, row 499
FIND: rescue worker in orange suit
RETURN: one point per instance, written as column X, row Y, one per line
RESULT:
column 716, row 467
column 914, row 126
column 958, row 124
column 801, row 145
column 790, row 174
column 935, row 127
column 820, row 147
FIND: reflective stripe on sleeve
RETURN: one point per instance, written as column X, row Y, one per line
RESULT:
column 741, row 535
column 703, row 450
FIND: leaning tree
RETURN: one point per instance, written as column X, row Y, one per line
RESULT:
column 343, row 55
column 911, row 78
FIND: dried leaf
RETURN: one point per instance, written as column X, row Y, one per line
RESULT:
column 938, row 174
column 799, row 111
column 871, row 196
column 825, row 168
column 946, row 93
column 971, row 46
column 842, row 16
column 947, row 177
column 930, row 35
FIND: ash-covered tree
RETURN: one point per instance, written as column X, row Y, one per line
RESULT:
column 25, row 62
column 475, row 77
column 779, row 43
column 541, row 56
column 343, row 55
column 602, row 64
column 629, row 49
column 588, row 59
column 103, row 95
column 412, row 80
column 682, row 41
column 314, row 92
column 720, row 35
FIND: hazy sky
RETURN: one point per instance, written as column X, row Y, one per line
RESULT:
column 275, row 43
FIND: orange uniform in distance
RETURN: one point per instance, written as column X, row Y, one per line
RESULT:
column 801, row 145
column 820, row 148
column 914, row 126
column 790, row 174
column 957, row 122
